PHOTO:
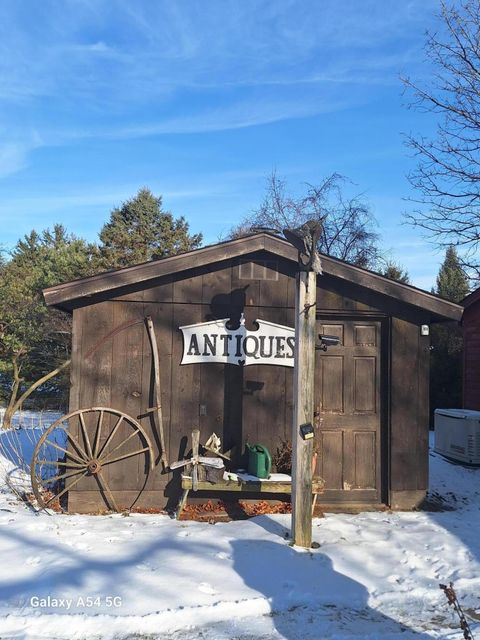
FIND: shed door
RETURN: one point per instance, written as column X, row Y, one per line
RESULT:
column 348, row 397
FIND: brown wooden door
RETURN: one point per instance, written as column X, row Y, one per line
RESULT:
column 348, row 397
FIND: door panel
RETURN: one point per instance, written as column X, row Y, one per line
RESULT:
column 332, row 388
column 348, row 397
column 364, row 384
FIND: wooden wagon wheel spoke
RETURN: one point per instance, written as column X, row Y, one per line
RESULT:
column 85, row 435
column 58, row 463
column 135, row 433
column 74, row 463
column 127, row 455
column 77, row 446
column 68, row 453
column 98, row 434
column 110, row 437
column 64, row 476
column 106, row 489
column 67, row 488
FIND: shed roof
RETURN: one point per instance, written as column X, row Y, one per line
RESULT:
column 70, row 294
column 472, row 298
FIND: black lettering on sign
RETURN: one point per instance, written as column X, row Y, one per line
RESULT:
column 291, row 345
column 280, row 347
column 264, row 353
column 210, row 342
column 193, row 349
column 238, row 353
column 253, row 351
column 226, row 339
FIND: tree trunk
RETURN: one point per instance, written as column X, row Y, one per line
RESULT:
column 10, row 410
column 15, row 404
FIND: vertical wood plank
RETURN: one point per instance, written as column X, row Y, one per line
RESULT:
column 423, row 419
column 185, row 393
column 404, row 405
column 75, row 370
column 126, row 395
column 95, row 372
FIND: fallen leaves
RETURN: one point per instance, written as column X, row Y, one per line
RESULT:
column 233, row 510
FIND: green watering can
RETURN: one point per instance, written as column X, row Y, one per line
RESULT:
column 259, row 460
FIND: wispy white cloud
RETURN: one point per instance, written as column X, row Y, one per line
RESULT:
column 74, row 200
column 13, row 157
column 15, row 151
column 114, row 69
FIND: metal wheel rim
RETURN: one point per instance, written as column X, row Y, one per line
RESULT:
column 85, row 458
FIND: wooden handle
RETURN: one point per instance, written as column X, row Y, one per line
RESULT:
column 158, row 389
column 195, row 448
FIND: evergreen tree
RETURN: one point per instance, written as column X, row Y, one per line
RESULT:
column 452, row 282
column 447, row 341
column 396, row 272
column 140, row 230
column 35, row 340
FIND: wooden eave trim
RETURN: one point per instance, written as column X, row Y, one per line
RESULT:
column 472, row 298
column 111, row 280
column 375, row 282
column 63, row 294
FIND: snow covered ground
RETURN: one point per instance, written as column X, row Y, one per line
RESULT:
column 375, row 575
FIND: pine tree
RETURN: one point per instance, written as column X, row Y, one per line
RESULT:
column 452, row 282
column 35, row 340
column 140, row 230
column 395, row 271
column 447, row 340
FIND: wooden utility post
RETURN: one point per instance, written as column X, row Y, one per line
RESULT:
column 305, row 240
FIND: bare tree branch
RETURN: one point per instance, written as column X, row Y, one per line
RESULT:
column 348, row 225
column 447, row 175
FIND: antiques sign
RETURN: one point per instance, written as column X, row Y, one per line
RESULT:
column 215, row 342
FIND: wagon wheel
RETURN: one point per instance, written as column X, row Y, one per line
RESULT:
column 83, row 444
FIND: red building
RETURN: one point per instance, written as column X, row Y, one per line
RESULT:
column 471, row 351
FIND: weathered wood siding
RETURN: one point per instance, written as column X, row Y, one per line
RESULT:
column 409, row 410
column 252, row 403
column 471, row 355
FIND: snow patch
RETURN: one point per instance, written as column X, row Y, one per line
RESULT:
column 374, row 575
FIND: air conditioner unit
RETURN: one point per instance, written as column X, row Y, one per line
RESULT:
column 457, row 434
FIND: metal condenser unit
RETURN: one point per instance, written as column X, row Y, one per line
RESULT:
column 457, row 434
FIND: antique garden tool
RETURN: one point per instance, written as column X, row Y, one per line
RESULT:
column 157, row 390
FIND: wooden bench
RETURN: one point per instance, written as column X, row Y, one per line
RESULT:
column 247, row 486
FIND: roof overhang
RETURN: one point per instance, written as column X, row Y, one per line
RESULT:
column 472, row 298
column 68, row 295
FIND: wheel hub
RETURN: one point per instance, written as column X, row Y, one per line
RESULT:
column 94, row 466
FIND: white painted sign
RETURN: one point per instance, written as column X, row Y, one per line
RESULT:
column 215, row 342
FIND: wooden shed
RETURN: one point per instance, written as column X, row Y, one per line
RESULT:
column 371, row 389
column 471, row 351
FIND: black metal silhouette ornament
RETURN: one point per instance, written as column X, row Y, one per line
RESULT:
column 305, row 240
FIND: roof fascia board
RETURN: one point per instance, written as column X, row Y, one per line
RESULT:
column 471, row 298
column 110, row 281
column 378, row 283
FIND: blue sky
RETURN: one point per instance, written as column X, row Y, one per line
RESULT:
column 200, row 101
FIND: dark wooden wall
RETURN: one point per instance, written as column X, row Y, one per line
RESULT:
column 471, row 357
column 254, row 402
